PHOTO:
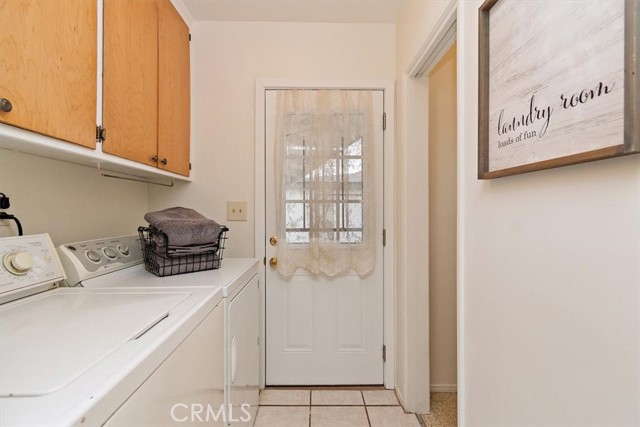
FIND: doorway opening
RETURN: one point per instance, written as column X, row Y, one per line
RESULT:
column 423, row 118
column 443, row 238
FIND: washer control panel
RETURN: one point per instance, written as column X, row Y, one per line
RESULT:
column 91, row 258
column 28, row 264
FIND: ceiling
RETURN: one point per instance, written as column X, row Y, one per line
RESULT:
column 337, row 11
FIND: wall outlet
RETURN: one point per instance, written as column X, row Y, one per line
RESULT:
column 236, row 211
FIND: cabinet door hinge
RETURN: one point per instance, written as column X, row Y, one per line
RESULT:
column 101, row 134
column 189, row 36
column 384, row 237
column 189, row 165
column 384, row 121
column 384, row 353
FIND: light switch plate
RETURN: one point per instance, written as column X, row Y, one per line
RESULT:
column 236, row 211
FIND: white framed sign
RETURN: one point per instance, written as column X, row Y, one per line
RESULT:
column 558, row 83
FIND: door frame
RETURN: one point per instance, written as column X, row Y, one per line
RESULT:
column 413, row 394
column 389, row 290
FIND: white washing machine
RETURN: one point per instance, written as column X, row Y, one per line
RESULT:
column 239, row 284
column 84, row 356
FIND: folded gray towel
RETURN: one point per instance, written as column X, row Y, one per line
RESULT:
column 194, row 249
column 184, row 226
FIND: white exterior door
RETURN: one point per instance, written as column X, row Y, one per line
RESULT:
column 322, row 330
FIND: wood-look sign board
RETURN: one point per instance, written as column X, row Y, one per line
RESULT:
column 558, row 83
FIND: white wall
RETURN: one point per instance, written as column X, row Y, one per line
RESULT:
column 68, row 201
column 549, row 283
column 414, row 23
column 442, row 223
column 227, row 57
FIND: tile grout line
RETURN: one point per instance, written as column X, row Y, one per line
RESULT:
column 366, row 411
column 310, row 407
column 421, row 420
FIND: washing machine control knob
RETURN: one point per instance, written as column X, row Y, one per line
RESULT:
column 18, row 263
column 94, row 255
column 110, row 252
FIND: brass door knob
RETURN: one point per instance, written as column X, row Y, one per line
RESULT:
column 273, row 262
column 273, row 240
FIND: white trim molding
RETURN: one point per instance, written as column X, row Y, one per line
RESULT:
column 444, row 388
column 183, row 11
column 439, row 41
column 388, row 87
column 415, row 215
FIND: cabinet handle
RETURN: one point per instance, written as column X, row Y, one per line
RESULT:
column 155, row 159
column 5, row 105
column 164, row 161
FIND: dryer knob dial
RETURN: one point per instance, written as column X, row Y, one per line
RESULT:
column 123, row 249
column 18, row 263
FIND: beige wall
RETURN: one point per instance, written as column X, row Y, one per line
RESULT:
column 550, row 283
column 227, row 58
column 68, row 201
column 415, row 21
column 442, row 222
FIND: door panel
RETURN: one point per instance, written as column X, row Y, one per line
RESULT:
column 351, row 314
column 319, row 329
column 48, row 52
column 173, row 90
column 297, row 299
column 130, row 83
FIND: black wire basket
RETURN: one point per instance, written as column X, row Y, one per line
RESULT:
column 162, row 261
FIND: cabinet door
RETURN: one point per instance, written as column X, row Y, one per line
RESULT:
column 173, row 90
column 130, row 82
column 48, row 52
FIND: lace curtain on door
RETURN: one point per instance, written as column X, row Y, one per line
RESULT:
column 324, row 181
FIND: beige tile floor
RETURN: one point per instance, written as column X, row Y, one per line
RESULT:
column 332, row 408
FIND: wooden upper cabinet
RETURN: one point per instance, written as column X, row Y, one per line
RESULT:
column 48, row 67
column 146, row 101
column 130, row 79
column 173, row 90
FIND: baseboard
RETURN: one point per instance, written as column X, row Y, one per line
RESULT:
column 400, row 398
column 444, row 388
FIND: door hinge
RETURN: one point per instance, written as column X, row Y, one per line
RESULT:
column 264, row 261
column 189, row 165
column 384, row 121
column 384, row 237
column 189, row 36
column 384, row 353
column 101, row 134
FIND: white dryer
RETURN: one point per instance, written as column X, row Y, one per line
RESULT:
column 238, row 280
